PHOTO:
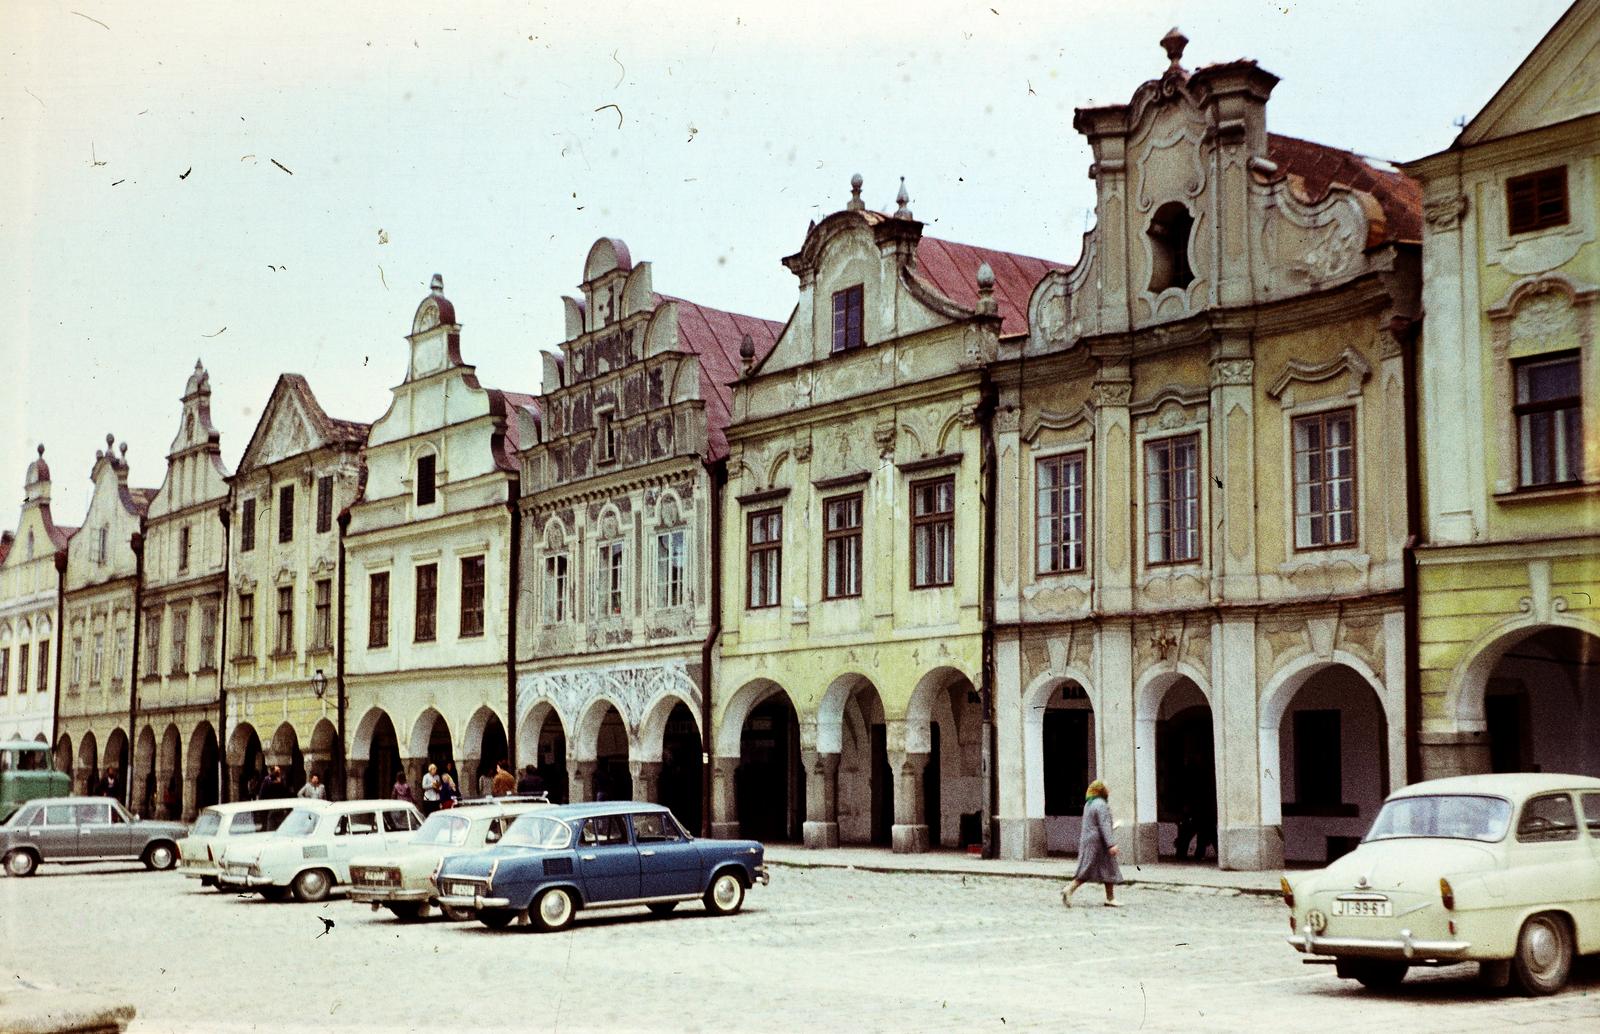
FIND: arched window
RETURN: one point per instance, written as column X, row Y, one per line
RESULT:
column 1169, row 233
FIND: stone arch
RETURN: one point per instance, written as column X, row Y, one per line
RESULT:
column 374, row 755
column 361, row 743
column 88, row 763
column 761, row 784
column 1045, row 834
column 555, row 534
column 246, row 760
column 203, row 770
column 169, row 773
column 324, row 755
column 117, row 754
column 669, row 510
column 535, row 717
column 542, row 742
column 1469, row 682
column 63, row 755
column 858, row 806
column 586, row 731
column 667, row 762
column 143, row 789
column 1543, row 678
column 485, row 746
column 1150, row 691
column 734, row 713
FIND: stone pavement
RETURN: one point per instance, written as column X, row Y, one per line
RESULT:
column 1175, row 875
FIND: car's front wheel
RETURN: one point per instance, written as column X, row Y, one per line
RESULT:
column 160, row 857
column 725, row 896
column 1544, row 955
column 312, row 885
column 496, row 918
column 554, row 910
column 1373, row 974
column 21, row 863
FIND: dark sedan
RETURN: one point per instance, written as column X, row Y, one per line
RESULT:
column 84, row 829
column 613, row 854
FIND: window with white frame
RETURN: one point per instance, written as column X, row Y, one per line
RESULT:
column 77, row 661
column 322, row 614
column 764, row 558
column 207, row 656
column 671, row 559
column 1172, row 500
column 152, row 642
column 555, row 588
column 180, row 640
column 1058, row 513
column 933, row 532
column 610, row 574
column 97, row 657
column 841, row 547
column 283, row 644
column 1549, row 412
column 1324, row 480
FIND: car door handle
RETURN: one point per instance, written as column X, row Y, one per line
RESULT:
column 587, row 857
column 647, row 854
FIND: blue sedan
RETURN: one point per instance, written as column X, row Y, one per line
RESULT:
column 608, row 854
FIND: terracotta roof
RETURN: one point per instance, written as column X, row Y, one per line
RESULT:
column 5, row 549
column 513, row 400
column 952, row 269
column 59, row 534
column 1319, row 167
column 714, row 335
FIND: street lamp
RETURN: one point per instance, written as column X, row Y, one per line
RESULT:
column 319, row 684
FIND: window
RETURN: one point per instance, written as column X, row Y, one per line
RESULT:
column 933, row 532
column 356, row 824
column 764, row 558
column 284, row 643
column 427, row 602
column 654, row 827
column 472, row 596
column 183, row 548
column 1537, row 201
column 152, row 643
column 602, row 830
column 610, row 578
column 322, row 614
column 1548, row 818
column 1058, row 513
column 324, row 503
column 22, row 668
column 1172, row 500
column 670, row 561
column 77, row 660
column 122, row 656
column 96, row 660
column 247, row 624
column 1318, row 769
column 847, row 330
column 397, row 821
column 426, row 486
column 841, row 547
column 1549, row 411
column 606, row 436
column 378, row 609
column 5, row 670
column 43, row 683
column 1169, row 247
column 104, row 550
column 206, row 658
column 180, row 641
column 286, row 513
column 1324, row 480
column 247, row 526
column 555, row 589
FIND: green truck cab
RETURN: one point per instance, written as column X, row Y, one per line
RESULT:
column 26, row 774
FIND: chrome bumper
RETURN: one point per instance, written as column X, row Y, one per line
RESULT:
column 763, row 877
column 475, row 902
column 1403, row 947
column 379, row 895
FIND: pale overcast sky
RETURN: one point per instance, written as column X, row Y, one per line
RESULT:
column 141, row 209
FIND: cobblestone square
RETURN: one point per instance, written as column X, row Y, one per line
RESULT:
column 818, row 950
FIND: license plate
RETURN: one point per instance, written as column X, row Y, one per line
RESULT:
column 1363, row 907
column 463, row 890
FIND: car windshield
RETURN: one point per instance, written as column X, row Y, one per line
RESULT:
column 301, row 822
column 1453, row 816
column 207, row 824
column 442, row 830
column 538, row 831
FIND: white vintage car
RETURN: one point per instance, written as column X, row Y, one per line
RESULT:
column 200, row 853
column 401, row 880
column 1503, row 870
column 310, row 852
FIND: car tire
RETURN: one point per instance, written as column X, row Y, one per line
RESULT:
column 160, row 856
column 409, row 911
column 454, row 914
column 496, row 918
column 313, row 885
column 273, row 893
column 663, row 908
column 553, row 910
column 21, row 863
column 725, row 896
column 1544, row 955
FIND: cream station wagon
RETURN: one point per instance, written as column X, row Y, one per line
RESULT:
column 309, row 854
column 1503, row 870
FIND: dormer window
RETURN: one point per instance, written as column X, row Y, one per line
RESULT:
column 1169, row 247
column 425, row 479
column 105, row 546
column 606, row 436
column 183, row 548
column 847, row 332
column 1538, row 200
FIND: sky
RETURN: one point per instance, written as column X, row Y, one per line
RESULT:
column 269, row 187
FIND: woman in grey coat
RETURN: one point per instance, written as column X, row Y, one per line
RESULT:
column 1097, row 855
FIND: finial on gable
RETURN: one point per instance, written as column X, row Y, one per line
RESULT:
column 747, row 351
column 902, row 199
column 437, row 286
column 986, row 302
column 1173, row 43
column 855, row 204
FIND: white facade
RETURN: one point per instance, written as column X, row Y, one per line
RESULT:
column 28, row 588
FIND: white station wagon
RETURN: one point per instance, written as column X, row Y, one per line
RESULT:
column 310, row 852
column 1503, row 870
column 402, row 879
column 200, row 853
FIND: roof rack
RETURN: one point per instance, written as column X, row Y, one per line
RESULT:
column 514, row 798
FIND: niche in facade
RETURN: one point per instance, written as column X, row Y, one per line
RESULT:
column 1169, row 247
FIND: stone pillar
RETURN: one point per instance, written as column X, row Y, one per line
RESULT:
column 236, row 779
column 83, row 778
column 724, row 809
column 581, row 780
column 821, row 828
column 1232, row 484
column 1021, row 834
column 909, row 834
column 1244, row 840
column 646, row 780
column 1127, row 761
column 355, row 780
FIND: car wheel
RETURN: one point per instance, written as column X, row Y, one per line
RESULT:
column 273, row 893
column 662, row 908
column 21, row 863
column 312, row 885
column 725, row 896
column 496, row 918
column 1544, row 955
column 553, row 910
column 160, row 857
column 454, row 914
column 409, row 911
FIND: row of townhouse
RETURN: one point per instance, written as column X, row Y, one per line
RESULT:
column 1213, row 514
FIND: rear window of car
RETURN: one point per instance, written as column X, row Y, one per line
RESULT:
column 398, row 821
column 264, row 820
column 206, row 823
column 1549, row 817
column 1448, row 816
column 604, row 829
column 300, row 823
column 442, row 830
column 357, row 824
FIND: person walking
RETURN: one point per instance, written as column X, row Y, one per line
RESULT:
column 401, row 791
column 313, row 790
column 505, row 784
column 1097, row 854
column 430, row 790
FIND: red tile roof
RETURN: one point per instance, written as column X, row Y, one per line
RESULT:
column 59, row 534
column 714, row 336
column 1319, row 167
column 513, row 401
column 952, row 269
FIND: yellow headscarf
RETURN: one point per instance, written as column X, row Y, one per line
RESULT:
column 1096, row 789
